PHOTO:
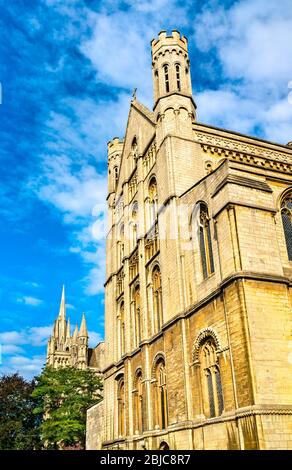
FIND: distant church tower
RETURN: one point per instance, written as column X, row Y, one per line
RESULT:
column 65, row 350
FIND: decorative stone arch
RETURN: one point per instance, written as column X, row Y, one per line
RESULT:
column 119, row 375
column 169, row 108
column 282, row 196
column 158, row 356
column 136, row 284
column 138, row 370
column 202, row 336
column 154, row 264
column 196, row 210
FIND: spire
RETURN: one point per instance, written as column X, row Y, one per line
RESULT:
column 62, row 311
column 68, row 329
column 75, row 334
column 83, row 327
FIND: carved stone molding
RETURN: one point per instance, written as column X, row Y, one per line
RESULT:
column 204, row 334
column 246, row 153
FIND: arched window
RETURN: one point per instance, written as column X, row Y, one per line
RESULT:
column 177, row 74
column 122, row 328
column 161, row 414
column 116, row 176
column 138, row 403
column 286, row 213
column 137, row 315
column 205, row 241
column 166, row 77
column 134, row 148
column 153, row 200
column 121, row 407
column 164, row 446
column 157, row 298
column 211, row 379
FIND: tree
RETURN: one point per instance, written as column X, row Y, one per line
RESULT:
column 18, row 423
column 62, row 397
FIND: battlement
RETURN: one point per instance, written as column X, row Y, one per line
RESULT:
column 115, row 145
column 175, row 39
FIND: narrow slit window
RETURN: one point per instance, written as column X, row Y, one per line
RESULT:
column 177, row 72
column 205, row 242
column 166, row 78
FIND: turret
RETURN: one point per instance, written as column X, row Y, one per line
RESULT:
column 83, row 344
column 114, row 149
column 170, row 65
column 174, row 106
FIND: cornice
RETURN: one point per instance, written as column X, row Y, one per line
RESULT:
column 253, row 154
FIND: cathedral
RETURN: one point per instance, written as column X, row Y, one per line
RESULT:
column 66, row 350
column 198, row 290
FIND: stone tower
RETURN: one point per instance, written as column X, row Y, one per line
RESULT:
column 198, row 279
column 65, row 350
column 174, row 107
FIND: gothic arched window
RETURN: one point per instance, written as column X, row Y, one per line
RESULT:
column 121, row 407
column 138, row 403
column 134, row 148
column 116, row 176
column 177, row 74
column 153, row 200
column 211, row 379
column 157, row 298
column 286, row 213
column 205, row 241
column 161, row 409
column 166, row 77
column 137, row 315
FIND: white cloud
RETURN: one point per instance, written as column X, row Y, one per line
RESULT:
column 35, row 336
column 39, row 335
column 70, row 180
column 94, row 338
column 7, row 349
column 27, row 300
column 26, row 366
column 13, row 337
column 252, row 40
column 124, row 58
column 70, row 307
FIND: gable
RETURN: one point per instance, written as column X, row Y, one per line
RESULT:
column 140, row 126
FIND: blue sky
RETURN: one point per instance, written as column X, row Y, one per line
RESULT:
column 67, row 70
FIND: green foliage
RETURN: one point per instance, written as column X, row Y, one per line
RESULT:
column 18, row 423
column 62, row 397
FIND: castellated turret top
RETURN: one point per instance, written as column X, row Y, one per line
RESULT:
column 115, row 145
column 175, row 39
column 170, row 67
